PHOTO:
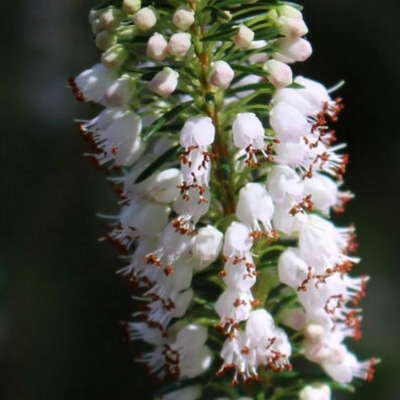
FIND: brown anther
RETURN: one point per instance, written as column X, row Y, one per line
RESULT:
column 255, row 303
column 239, row 302
column 238, row 260
column 152, row 259
column 168, row 270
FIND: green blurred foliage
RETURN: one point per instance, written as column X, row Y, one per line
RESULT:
column 60, row 299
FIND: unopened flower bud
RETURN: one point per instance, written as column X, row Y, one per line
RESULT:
column 292, row 27
column 225, row 17
column 289, row 11
column 157, row 47
column 97, row 26
column 179, row 44
column 320, row 392
column 280, row 74
column 111, row 19
column 105, row 40
column 126, row 33
column 94, row 14
column 145, row 18
column 244, row 37
column 183, row 18
column 164, row 82
column 120, row 92
column 114, row 57
column 221, row 74
column 131, row 6
column 291, row 50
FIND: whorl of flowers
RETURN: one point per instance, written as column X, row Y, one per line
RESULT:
column 227, row 171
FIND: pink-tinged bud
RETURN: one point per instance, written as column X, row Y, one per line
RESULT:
column 279, row 73
column 183, row 18
column 157, row 47
column 114, row 57
column 145, row 19
column 221, row 74
column 164, row 82
column 179, row 44
column 119, row 92
column 291, row 50
column 244, row 37
column 292, row 27
column 131, row 6
column 258, row 57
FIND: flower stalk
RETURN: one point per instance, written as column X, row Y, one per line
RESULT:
column 227, row 174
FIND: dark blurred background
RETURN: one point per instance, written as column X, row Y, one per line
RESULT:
column 60, row 299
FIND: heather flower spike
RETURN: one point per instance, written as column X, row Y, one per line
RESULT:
column 228, row 173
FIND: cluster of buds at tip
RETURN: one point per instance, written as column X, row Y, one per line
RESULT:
column 227, row 172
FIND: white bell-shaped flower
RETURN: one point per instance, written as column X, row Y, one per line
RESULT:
column 93, row 82
column 291, row 268
column 237, row 240
column 197, row 130
column 119, row 92
column 289, row 124
column 206, row 245
column 234, row 306
column 247, row 130
column 239, row 273
column 324, row 192
column 284, row 183
column 255, row 206
column 163, row 186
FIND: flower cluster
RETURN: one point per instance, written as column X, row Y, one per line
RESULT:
column 225, row 196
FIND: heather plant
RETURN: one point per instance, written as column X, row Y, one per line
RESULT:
column 227, row 173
